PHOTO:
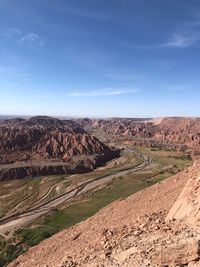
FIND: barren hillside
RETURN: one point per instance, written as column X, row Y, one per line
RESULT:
column 130, row 232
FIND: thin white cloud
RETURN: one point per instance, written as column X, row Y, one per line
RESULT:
column 177, row 40
column 32, row 39
column 183, row 40
column 25, row 38
column 104, row 92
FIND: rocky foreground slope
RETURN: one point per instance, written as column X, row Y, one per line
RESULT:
column 182, row 133
column 150, row 228
column 47, row 146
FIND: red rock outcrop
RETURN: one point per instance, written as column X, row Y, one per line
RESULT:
column 180, row 130
column 181, row 133
column 44, row 139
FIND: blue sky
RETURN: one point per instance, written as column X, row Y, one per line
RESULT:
column 100, row 58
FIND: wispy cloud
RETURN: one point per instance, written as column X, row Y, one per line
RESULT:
column 176, row 40
column 183, row 40
column 24, row 38
column 32, row 39
column 104, row 92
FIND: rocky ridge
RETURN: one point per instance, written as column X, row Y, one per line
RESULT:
column 176, row 132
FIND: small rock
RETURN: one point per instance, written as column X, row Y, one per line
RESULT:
column 136, row 233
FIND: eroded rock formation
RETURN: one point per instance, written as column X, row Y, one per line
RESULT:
column 40, row 141
column 177, row 133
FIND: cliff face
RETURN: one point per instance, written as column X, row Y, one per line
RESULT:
column 146, row 229
column 44, row 140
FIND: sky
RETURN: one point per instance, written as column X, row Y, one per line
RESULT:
column 100, row 58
